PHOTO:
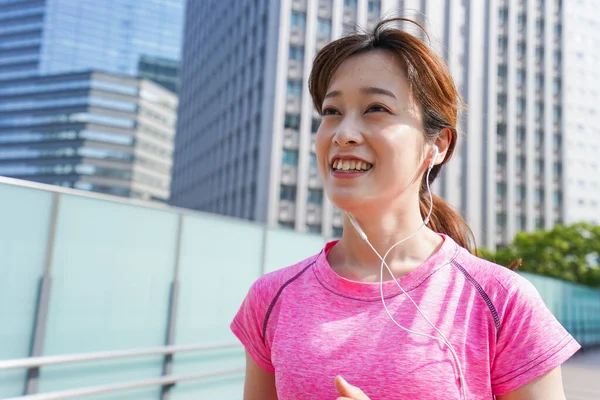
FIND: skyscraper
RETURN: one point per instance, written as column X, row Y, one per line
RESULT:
column 580, row 88
column 246, row 128
column 92, row 131
column 56, row 36
column 74, row 110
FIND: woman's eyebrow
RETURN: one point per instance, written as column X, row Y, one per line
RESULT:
column 365, row 90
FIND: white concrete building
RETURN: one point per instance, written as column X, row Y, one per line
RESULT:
column 581, row 99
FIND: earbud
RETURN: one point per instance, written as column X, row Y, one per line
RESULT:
column 436, row 152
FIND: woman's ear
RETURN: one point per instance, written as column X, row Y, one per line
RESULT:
column 445, row 144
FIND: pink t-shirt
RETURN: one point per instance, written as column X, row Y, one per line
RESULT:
column 306, row 324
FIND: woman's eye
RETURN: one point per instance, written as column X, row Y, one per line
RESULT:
column 330, row 111
column 377, row 108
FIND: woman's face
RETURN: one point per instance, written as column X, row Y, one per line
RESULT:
column 370, row 144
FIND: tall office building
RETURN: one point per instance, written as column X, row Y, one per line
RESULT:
column 92, row 131
column 56, row 36
column 246, row 124
column 61, row 123
column 581, row 93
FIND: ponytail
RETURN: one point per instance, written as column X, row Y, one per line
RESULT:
column 444, row 219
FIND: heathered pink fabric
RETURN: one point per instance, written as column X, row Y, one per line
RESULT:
column 306, row 324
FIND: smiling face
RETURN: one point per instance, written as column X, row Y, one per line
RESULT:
column 370, row 145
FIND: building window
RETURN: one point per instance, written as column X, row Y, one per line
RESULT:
column 520, row 107
column 350, row 3
column 520, row 161
column 557, row 169
column 501, row 159
column 520, row 222
column 539, row 196
column 539, row 166
column 299, row 19
column 539, row 81
column 313, row 160
column 557, row 113
column 501, row 189
column 557, row 198
column 296, row 53
column 520, row 193
column 557, row 141
column 314, row 228
column 294, row 87
column 286, row 225
column 556, row 86
column 375, row 7
column 324, row 28
column 290, row 157
column 292, row 121
column 521, row 77
column 521, row 21
column 539, row 223
column 501, row 130
column 521, row 136
column 315, row 196
column 287, row 193
column 502, row 71
column 337, row 232
column 539, row 110
column 501, row 220
column 539, row 139
column 521, row 48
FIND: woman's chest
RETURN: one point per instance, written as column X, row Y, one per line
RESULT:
column 370, row 351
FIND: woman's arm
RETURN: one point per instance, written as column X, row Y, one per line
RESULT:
column 259, row 384
column 546, row 387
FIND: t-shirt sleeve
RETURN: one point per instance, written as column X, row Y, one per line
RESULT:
column 531, row 342
column 247, row 325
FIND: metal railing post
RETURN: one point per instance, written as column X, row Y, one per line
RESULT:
column 41, row 317
column 173, row 306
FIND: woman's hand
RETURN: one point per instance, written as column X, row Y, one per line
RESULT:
column 347, row 391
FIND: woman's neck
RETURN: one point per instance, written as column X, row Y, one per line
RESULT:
column 354, row 259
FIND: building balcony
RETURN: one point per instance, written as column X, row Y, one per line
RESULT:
column 291, row 139
column 299, row 5
column 287, row 211
column 322, row 41
column 325, row 9
column 293, row 104
column 314, row 214
column 297, row 36
column 289, row 174
column 349, row 17
column 295, row 69
column 314, row 179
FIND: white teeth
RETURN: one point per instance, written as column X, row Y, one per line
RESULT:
column 351, row 165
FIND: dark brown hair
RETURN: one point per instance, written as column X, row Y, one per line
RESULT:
column 433, row 88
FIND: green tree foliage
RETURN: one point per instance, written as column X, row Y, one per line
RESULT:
column 571, row 253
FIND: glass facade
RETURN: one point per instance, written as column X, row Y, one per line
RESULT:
column 119, row 36
column 59, row 122
column 90, row 131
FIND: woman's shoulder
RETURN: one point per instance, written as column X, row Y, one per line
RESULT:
column 272, row 282
column 491, row 278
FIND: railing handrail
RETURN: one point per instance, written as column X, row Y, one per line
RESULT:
column 32, row 362
column 118, row 387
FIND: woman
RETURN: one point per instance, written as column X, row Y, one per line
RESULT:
column 449, row 325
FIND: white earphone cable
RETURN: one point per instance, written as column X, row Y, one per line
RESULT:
column 443, row 339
